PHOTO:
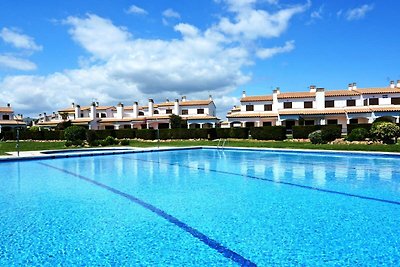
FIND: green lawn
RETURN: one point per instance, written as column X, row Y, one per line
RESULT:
column 30, row 146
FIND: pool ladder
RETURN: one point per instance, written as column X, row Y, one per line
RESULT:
column 221, row 143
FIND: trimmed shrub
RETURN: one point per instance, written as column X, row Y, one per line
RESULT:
column 94, row 143
column 239, row 133
column 146, row 134
column 331, row 133
column 124, row 142
column 385, row 131
column 351, row 127
column 316, row 137
column 125, row 133
column 102, row 134
column 268, row 133
column 357, row 134
column 302, row 132
column 74, row 133
column 110, row 141
column 222, row 132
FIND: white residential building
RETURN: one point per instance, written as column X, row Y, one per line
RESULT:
column 318, row 107
column 8, row 120
column 197, row 114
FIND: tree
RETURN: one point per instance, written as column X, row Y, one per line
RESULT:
column 177, row 122
column 385, row 131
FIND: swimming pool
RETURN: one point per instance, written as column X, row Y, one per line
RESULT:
column 202, row 207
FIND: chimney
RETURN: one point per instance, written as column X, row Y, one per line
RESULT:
column 151, row 107
column 176, row 107
column 275, row 94
column 135, row 109
column 398, row 84
column 320, row 98
column 392, row 84
column 243, row 94
column 210, row 97
column 8, row 105
column 97, row 104
column 77, row 111
column 313, row 88
column 73, row 105
column 45, row 116
column 167, row 100
column 120, row 110
column 93, row 111
column 183, row 98
column 354, row 86
column 350, row 86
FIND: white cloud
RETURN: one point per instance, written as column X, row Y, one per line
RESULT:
column 317, row 14
column 270, row 52
column 359, row 12
column 251, row 23
column 11, row 62
column 133, row 9
column 123, row 68
column 170, row 13
column 19, row 40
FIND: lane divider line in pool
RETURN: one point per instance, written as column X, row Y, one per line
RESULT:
column 277, row 182
column 226, row 252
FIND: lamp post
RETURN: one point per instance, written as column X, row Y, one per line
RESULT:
column 17, row 145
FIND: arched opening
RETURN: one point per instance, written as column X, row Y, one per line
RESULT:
column 194, row 126
column 141, row 113
column 207, row 125
column 156, row 112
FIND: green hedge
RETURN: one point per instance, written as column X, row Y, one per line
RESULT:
column 147, row 134
column 125, row 133
column 302, row 132
column 31, row 135
column 239, row 133
column 186, row 134
column 268, row 133
column 351, row 127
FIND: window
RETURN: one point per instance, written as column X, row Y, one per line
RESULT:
column 309, row 122
column 250, row 124
column 156, row 112
column 249, row 107
column 385, row 96
column 81, row 115
column 330, row 103
column 395, row 100
column 308, row 104
column 127, row 127
column 330, row 122
column 374, row 101
column 350, row 102
column 6, row 117
column 268, row 107
column 103, row 115
column 365, row 102
column 200, row 111
column 168, row 111
column 267, row 123
column 287, row 105
column 141, row 113
column 353, row 121
column 185, row 112
column 97, row 115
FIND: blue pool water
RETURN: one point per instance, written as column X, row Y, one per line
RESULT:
column 202, row 207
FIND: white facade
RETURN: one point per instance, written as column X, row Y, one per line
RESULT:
column 197, row 113
column 8, row 120
column 318, row 107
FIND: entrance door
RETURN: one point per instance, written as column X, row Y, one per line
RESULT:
column 289, row 125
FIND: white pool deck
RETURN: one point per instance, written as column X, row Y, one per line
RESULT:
column 66, row 153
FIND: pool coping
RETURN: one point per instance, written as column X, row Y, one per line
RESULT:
column 43, row 154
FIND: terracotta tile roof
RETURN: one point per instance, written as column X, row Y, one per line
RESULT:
column 53, row 122
column 385, row 108
column 166, row 104
column 357, row 109
column 379, row 90
column 201, row 118
column 6, row 109
column 11, row 122
column 195, row 102
column 252, row 115
column 341, row 93
column 256, row 98
column 82, row 120
column 312, row 111
column 105, row 120
column 70, row 110
column 296, row 95
column 158, row 117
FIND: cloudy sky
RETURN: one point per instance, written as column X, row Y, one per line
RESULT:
column 56, row 52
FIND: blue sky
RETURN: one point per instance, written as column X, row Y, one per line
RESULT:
column 53, row 53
